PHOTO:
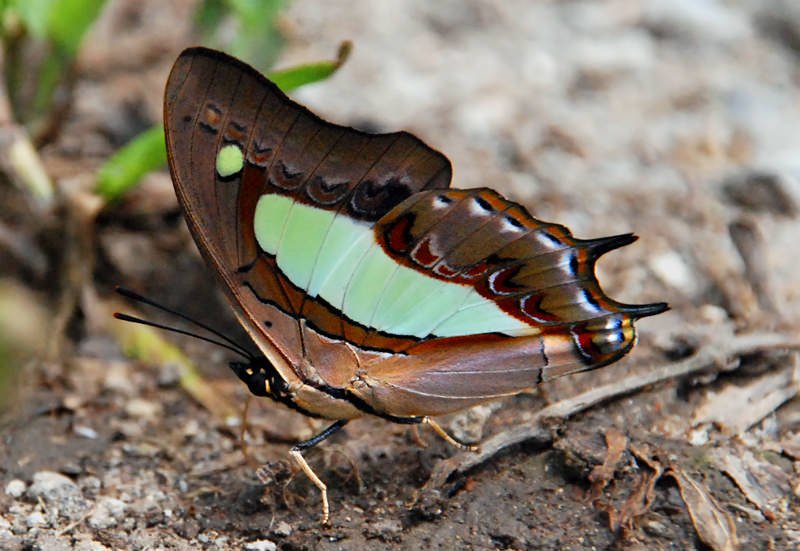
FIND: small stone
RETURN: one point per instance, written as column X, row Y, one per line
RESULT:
column 90, row 484
column 191, row 428
column 283, row 529
column 71, row 468
column 468, row 426
column 59, row 492
column 712, row 314
column 85, row 432
column 16, row 515
column 655, row 528
column 699, row 436
column 48, row 542
column 385, row 529
column 169, row 375
column 143, row 408
column 118, row 379
column 35, row 519
column 5, row 526
column 141, row 449
column 260, row 545
column 52, row 485
column 89, row 545
column 15, row 488
column 107, row 512
column 9, row 542
column 72, row 401
column 670, row 268
column 706, row 21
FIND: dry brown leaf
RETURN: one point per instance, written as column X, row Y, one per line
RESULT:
column 642, row 496
column 790, row 445
column 765, row 485
column 715, row 526
column 602, row 474
column 753, row 401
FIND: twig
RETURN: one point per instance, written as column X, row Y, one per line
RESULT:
column 749, row 242
column 18, row 158
column 716, row 351
column 77, row 522
column 756, row 399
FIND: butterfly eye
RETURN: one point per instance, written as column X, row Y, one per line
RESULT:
column 230, row 161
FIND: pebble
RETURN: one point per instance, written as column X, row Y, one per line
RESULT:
column 107, row 512
column 670, row 267
column 468, row 426
column 90, row 484
column 5, row 526
column 85, row 432
column 9, row 542
column 15, row 488
column 87, row 545
column 701, row 20
column 385, row 528
column 48, row 542
column 35, row 519
column 283, row 529
column 60, row 492
column 147, row 409
column 118, row 379
column 260, row 545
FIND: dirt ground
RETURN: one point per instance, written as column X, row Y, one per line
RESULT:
column 673, row 119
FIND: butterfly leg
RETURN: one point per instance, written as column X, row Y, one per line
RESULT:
column 296, row 454
column 437, row 428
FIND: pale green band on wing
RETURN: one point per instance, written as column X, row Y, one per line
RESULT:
column 368, row 284
column 303, row 233
column 337, row 258
column 230, row 160
column 269, row 221
column 339, row 239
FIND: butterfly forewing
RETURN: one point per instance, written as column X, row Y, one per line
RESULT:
column 316, row 188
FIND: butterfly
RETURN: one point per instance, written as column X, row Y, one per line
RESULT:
column 369, row 286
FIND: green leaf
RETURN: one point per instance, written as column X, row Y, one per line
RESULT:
column 247, row 29
column 295, row 77
column 70, row 19
column 145, row 153
column 34, row 15
column 64, row 22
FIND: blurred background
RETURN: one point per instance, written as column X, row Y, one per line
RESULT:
column 673, row 119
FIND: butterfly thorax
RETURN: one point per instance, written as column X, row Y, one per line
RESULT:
column 312, row 397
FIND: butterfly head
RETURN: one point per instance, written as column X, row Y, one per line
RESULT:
column 258, row 374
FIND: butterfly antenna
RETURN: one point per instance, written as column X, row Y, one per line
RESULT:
column 140, row 321
column 226, row 342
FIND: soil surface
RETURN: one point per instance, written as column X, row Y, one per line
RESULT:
column 673, row 119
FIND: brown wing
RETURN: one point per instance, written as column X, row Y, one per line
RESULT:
column 534, row 272
column 213, row 100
